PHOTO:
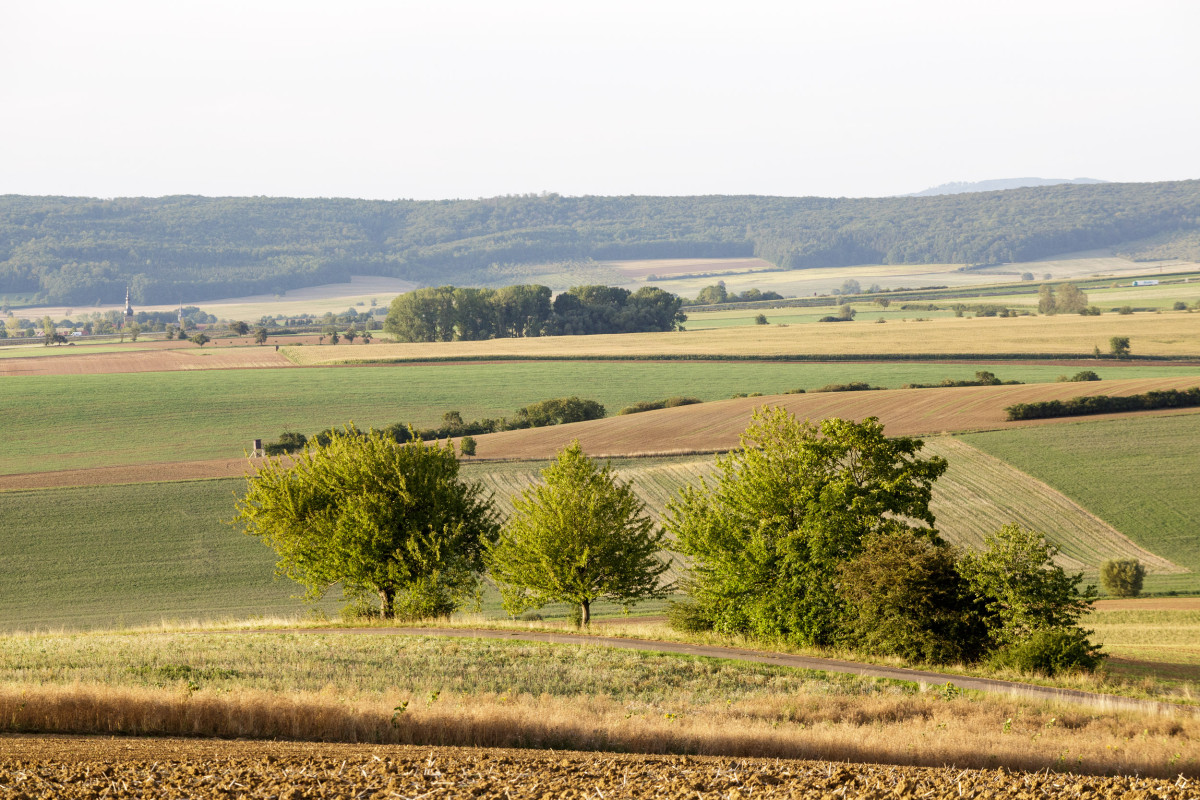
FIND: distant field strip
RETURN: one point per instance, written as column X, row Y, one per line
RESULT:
column 1172, row 334
column 108, row 361
column 60, row 422
column 1139, row 474
column 716, row 426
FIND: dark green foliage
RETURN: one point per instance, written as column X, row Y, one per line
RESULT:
column 1050, row 652
column 982, row 378
column 289, row 442
column 690, row 617
column 760, row 319
column 75, row 250
column 1105, row 404
column 853, row 386
column 904, row 597
column 1083, row 376
column 238, row 327
column 449, row 313
column 766, row 537
column 381, row 519
column 1122, row 577
column 579, row 536
column 1022, row 588
column 655, row 405
column 1119, row 346
column 1179, row 305
column 558, row 411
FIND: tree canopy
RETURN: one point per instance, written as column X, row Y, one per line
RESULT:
column 579, row 536
column 382, row 519
column 797, row 499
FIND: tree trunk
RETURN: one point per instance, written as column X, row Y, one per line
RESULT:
column 585, row 613
column 385, row 603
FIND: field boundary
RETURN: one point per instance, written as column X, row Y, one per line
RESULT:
column 952, row 682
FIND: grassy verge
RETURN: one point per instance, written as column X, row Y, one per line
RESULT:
column 470, row 692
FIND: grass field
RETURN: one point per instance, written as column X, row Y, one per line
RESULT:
column 141, row 553
column 75, row 421
column 1147, row 643
column 1096, row 463
column 1168, row 334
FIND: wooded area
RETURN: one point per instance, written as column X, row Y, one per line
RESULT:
column 188, row 248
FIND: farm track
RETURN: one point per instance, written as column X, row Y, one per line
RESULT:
column 89, row 767
column 991, row 685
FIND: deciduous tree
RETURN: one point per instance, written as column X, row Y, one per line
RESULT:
column 392, row 521
column 579, row 536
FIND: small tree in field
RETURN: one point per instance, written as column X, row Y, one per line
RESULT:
column 578, row 537
column 385, row 520
column 1122, row 577
column 466, row 445
column 260, row 335
column 1119, row 346
column 200, row 339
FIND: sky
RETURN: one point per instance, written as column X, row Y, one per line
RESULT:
column 456, row 99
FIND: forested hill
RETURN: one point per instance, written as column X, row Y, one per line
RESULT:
column 80, row 250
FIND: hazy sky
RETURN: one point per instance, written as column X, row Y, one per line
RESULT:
column 444, row 98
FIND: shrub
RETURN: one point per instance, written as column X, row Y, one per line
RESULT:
column 1050, row 651
column 654, row 405
column 1122, row 577
column 466, row 445
column 1125, row 310
column 1179, row 306
column 760, row 319
column 1079, row 377
column 853, row 386
column 289, row 442
column 689, row 617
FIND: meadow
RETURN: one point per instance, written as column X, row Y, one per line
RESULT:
column 1138, row 474
column 57, row 422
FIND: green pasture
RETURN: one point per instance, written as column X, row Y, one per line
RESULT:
column 56, row 422
column 1163, row 644
column 107, row 556
column 1140, row 474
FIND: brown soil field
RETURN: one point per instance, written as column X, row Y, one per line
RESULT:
column 90, row 767
column 131, row 473
column 904, row 412
column 1168, row 334
column 1150, row 604
column 148, row 357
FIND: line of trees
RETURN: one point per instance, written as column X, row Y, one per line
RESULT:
column 450, row 313
column 811, row 534
column 1105, row 404
column 82, row 250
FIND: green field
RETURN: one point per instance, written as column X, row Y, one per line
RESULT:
column 1140, row 475
column 74, row 421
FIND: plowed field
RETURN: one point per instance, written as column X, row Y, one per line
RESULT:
column 156, row 359
column 94, row 767
column 716, row 426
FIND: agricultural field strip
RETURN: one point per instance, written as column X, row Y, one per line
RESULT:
column 1168, row 334
column 991, row 685
column 716, row 426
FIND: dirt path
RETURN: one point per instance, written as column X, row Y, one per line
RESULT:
column 1105, row 701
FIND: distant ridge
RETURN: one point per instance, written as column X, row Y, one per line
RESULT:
column 997, row 185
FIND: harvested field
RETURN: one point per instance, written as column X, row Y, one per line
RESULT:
column 162, row 358
column 90, row 767
column 1151, row 334
column 679, row 267
column 716, row 426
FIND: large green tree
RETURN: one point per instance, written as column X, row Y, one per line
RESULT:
column 579, row 536
column 765, row 538
column 382, row 519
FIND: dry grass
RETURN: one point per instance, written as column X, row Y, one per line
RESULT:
column 1151, row 334
column 927, row 728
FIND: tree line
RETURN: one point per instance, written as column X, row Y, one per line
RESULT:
column 450, row 313
column 82, row 250
column 811, row 534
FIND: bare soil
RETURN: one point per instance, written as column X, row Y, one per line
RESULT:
column 93, row 767
column 150, row 357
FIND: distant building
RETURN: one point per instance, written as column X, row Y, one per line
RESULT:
column 128, row 308
column 1145, row 283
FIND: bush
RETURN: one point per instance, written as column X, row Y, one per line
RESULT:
column 655, row 405
column 1079, row 377
column 1050, row 651
column 466, row 445
column 1179, row 306
column 853, row 386
column 688, row 617
column 289, row 442
column 760, row 319
column 1122, row 577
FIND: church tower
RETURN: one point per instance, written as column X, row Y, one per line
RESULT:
column 128, row 307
